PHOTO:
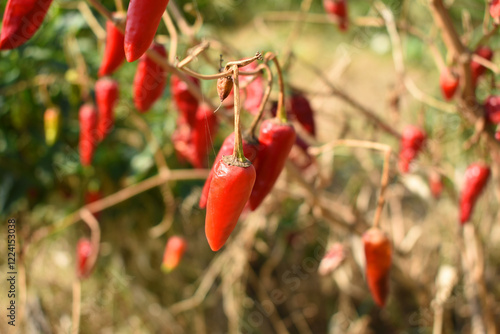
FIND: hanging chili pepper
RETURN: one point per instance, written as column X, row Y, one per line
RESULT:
column 378, row 254
column 83, row 252
column 338, row 10
column 203, row 135
column 184, row 100
column 412, row 142
column 250, row 150
column 174, row 250
column 114, row 54
column 51, row 125
column 448, row 81
column 106, row 94
column 143, row 19
column 21, row 20
column 88, row 133
column 301, row 109
column 476, row 68
column 476, row 177
column 149, row 80
column 254, row 90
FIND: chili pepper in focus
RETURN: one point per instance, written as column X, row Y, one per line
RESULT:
column 106, row 94
column 184, row 100
column 338, row 10
column 276, row 139
column 21, row 20
column 448, row 81
column 143, row 19
column 114, row 54
column 83, row 252
column 301, row 109
column 88, row 133
column 378, row 254
column 51, row 125
column 174, row 250
column 250, row 150
column 476, row 177
column 477, row 69
column 149, row 80
column 412, row 141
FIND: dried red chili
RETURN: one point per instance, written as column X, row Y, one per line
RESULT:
column 106, row 94
column 378, row 254
column 114, row 54
column 143, row 19
column 476, row 178
column 21, row 20
column 149, row 80
column 88, row 133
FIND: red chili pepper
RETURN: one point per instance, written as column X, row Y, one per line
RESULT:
column 230, row 190
column 21, row 20
column 149, row 80
column 476, row 177
column 143, row 19
column 477, row 69
column 174, row 250
column 495, row 9
column 492, row 109
column 106, row 94
column 83, row 252
column 448, row 81
column 301, row 109
column 51, row 125
column 338, row 10
column 276, row 139
column 185, row 101
column 114, row 54
column 412, row 141
column 203, row 135
column 378, row 254
column 88, row 133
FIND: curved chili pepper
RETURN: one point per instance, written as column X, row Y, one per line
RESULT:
column 230, row 190
column 338, row 10
column 174, row 250
column 203, row 135
column 301, row 109
column 184, row 100
column 149, row 80
column 412, row 142
column 476, row 177
column 378, row 254
column 106, row 95
column 21, row 20
column 83, row 251
column 448, row 81
column 276, row 140
column 143, row 19
column 476, row 68
column 51, row 125
column 88, row 134
column 114, row 55
column 249, row 149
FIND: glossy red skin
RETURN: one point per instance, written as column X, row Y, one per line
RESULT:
column 476, row 178
column 114, row 55
column 106, row 95
column 477, row 69
column 149, row 80
column 412, row 142
column 301, row 109
column 83, row 251
column 492, row 109
column 21, row 20
column 495, row 9
column 184, row 100
column 227, row 148
column 203, row 135
column 230, row 189
column 338, row 9
column 174, row 250
column 448, row 83
column 143, row 19
column 276, row 140
column 378, row 254
column 88, row 133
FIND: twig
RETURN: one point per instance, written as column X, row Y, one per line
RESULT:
column 76, row 308
column 265, row 97
column 427, row 99
column 174, row 37
column 119, row 5
column 91, row 20
column 95, row 238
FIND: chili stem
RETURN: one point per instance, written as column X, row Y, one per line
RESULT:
column 281, row 113
column 265, row 97
column 238, row 141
